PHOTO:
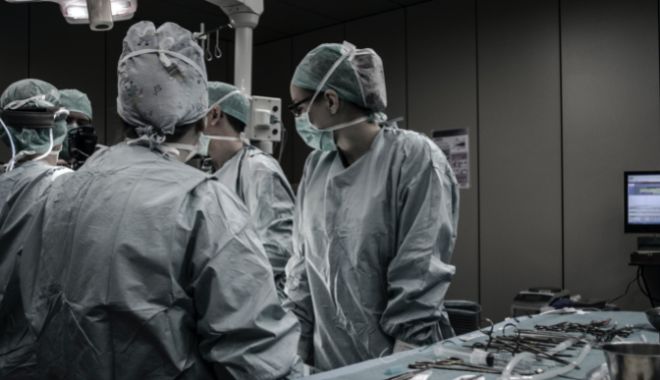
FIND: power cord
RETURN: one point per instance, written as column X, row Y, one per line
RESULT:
column 635, row 279
column 643, row 286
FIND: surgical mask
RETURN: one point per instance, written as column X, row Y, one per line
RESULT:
column 201, row 148
column 205, row 142
column 321, row 139
column 324, row 139
column 56, row 153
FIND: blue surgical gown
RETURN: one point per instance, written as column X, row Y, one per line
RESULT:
column 259, row 181
column 141, row 267
column 20, row 189
column 372, row 249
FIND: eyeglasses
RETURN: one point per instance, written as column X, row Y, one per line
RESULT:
column 295, row 107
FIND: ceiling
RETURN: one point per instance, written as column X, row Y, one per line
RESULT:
column 284, row 18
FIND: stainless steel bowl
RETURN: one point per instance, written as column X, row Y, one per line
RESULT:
column 633, row 361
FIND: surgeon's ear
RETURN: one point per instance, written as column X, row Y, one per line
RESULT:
column 332, row 100
column 202, row 124
column 215, row 114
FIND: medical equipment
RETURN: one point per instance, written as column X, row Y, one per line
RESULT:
column 265, row 126
column 210, row 41
column 99, row 14
column 82, row 144
column 627, row 360
column 600, row 331
column 536, row 300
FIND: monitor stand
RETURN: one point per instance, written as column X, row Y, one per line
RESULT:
column 648, row 251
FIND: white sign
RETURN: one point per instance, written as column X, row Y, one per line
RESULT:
column 455, row 144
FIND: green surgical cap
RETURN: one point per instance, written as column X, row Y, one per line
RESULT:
column 30, row 94
column 76, row 101
column 232, row 101
column 359, row 78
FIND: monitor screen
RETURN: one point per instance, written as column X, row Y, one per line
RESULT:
column 642, row 202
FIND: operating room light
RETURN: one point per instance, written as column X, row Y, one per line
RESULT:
column 75, row 11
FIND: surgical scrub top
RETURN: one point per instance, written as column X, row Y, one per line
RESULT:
column 141, row 267
column 372, row 249
column 259, row 181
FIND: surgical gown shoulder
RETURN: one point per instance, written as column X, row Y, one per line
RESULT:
column 38, row 175
column 215, row 199
column 156, row 180
column 258, row 160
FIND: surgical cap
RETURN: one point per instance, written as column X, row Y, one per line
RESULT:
column 76, row 101
column 232, row 101
column 359, row 78
column 30, row 94
column 161, row 79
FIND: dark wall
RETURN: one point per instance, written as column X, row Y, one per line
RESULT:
column 520, row 148
column 611, row 124
column 445, row 97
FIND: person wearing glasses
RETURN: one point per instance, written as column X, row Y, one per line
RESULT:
column 375, row 222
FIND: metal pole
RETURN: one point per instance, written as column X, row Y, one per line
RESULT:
column 243, row 60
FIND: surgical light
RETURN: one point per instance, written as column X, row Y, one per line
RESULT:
column 103, row 12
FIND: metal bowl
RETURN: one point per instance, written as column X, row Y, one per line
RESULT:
column 636, row 361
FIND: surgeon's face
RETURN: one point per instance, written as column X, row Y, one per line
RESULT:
column 76, row 119
column 301, row 102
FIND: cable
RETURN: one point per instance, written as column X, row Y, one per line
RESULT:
column 10, row 165
column 627, row 288
column 643, row 286
column 282, row 144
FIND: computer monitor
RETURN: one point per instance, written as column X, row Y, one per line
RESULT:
column 642, row 202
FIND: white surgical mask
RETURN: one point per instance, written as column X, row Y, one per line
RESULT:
column 201, row 148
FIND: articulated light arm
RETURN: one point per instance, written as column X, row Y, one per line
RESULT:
column 266, row 113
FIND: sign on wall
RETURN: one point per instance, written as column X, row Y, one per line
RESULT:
column 455, row 144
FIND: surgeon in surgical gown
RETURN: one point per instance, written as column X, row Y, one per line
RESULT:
column 376, row 218
column 30, row 124
column 142, row 267
column 254, row 175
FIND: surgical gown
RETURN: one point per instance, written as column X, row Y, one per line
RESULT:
column 19, row 190
column 141, row 267
column 372, row 246
column 258, row 180
column 35, row 175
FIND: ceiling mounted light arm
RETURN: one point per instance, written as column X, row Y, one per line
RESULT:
column 99, row 14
